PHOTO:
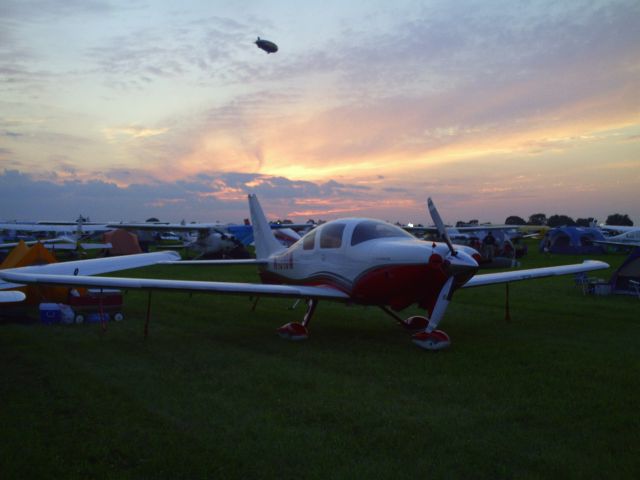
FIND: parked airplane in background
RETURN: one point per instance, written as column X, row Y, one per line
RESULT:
column 503, row 252
column 61, row 243
column 56, row 235
column 51, row 228
column 630, row 236
column 354, row 260
column 213, row 239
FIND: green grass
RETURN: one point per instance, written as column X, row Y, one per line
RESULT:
column 213, row 392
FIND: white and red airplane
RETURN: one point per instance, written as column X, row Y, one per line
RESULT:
column 355, row 260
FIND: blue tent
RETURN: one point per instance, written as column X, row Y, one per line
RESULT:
column 573, row 240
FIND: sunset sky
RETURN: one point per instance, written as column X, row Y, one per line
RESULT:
column 123, row 110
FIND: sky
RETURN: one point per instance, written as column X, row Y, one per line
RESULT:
column 125, row 110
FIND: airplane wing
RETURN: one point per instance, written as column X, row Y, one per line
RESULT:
column 49, row 227
column 460, row 230
column 188, row 227
column 86, row 267
column 59, row 245
column 629, row 244
column 176, row 285
column 11, row 296
column 239, row 261
column 618, row 228
column 513, row 276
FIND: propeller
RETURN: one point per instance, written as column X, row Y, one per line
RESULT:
column 435, row 216
column 441, row 306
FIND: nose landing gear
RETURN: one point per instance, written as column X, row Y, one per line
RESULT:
column 436, row 340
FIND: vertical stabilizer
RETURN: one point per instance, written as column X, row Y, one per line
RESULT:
column 265, row 240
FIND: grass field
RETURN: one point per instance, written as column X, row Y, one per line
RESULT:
column 214, row 393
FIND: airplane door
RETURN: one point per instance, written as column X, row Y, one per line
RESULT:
column 331, row 245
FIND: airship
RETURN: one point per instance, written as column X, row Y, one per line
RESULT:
column 266, row 45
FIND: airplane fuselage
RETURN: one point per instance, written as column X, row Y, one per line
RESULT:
column 374, row 262
column 631, row 237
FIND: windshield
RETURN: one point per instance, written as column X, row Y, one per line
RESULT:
column 370, row 229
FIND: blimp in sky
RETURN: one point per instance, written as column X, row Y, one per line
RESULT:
column 266, row 45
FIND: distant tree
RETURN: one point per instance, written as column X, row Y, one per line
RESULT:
column 515, row 220
column 560, row 220
column 470, row 223
column 537, row 219
column 619, row 219
column 152, row 219
column 585, row 222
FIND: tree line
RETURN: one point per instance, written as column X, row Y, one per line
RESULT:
column 565, row 220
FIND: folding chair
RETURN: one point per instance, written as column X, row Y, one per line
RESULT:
column 581, row 280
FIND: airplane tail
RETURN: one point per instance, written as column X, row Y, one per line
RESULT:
column 265, row 240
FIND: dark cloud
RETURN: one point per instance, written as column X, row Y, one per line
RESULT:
column 204, row 197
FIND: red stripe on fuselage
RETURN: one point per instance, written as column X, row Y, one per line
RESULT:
column 400, row 286
column 397, row 286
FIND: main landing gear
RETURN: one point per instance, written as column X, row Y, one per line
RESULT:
column 298, row 331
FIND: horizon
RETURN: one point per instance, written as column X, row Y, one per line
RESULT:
column 130, row 110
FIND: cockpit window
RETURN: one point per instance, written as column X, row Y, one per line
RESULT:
column 370, row 229
column 331, row 235
column 308, row 240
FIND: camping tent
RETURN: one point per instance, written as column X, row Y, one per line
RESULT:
column 122, row 242
column 23, row 256
column 629, row 271
column 573, row 240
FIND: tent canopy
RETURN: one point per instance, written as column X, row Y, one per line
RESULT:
column 629, row 270
column 573, row 240
column 24, row 256
column 122, row 242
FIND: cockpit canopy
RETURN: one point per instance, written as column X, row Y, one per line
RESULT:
column 332, row 234
column 372, row 229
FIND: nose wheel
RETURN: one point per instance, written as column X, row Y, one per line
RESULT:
column 436, row 340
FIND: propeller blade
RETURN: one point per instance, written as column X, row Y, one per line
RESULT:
column 442, row 230
column 441, row 306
